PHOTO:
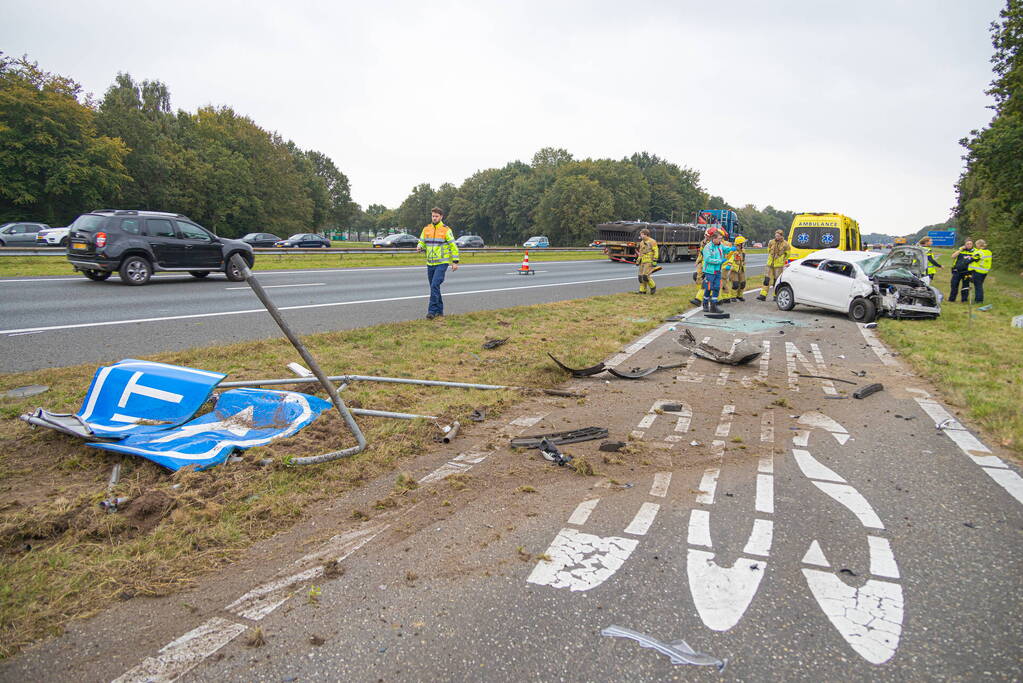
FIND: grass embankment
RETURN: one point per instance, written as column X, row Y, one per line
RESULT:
column 62, row 557
column 26, row 266
column 976, row 361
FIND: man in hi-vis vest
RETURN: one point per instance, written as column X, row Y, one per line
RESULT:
column 441, row 251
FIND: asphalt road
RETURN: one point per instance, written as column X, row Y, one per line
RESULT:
column 764, row 517
column 60, row 321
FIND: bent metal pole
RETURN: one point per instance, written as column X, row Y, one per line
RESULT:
column 239, row 263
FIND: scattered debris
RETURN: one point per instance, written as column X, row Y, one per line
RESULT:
column 25, row 392
column 743, row 352
column 636, row 373
column 448, row 432
column 870, row 326
column 671, row 407
column 678, row 651
column 947, row 422
column 580, row 372
column 316, row 640
column 478, row 415
column 612, row 446
column 717, row 316
column 859, row 373
column 572, row 436
column 847, row 571
column 985, row 308
column 863, row 392
column 694, row 442
column 836, row 379
column 113, row 504
column 494, row 343
column 550, row 452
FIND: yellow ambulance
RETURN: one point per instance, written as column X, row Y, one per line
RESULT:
column 813, row 231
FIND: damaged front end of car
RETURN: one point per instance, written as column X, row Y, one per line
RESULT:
column 900, row 287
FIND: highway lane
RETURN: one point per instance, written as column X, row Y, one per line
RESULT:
column 60, row 321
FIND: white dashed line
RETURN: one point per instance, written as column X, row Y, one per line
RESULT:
column 640, row 524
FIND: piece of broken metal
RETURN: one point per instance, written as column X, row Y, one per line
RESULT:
column 947, row 422
column 550, row 452
column 611, row 446
column 25, row 392
column 112, row 504
column 637, row 373
column 478, row 415
column 572, row 436
column 863, row 392
column 494, row 343
column 836, row 379
column 678, row 651
column 717, row 316
column 450, row 432
column 743, row 352
column 579, row 372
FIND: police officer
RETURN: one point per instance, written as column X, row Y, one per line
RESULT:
column 979, row 268
column 961, row 270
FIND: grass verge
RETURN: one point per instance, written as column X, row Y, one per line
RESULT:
column 976, row 361
column 26, row 266
column 62, row 557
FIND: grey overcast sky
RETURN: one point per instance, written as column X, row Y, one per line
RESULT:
column 806, row 105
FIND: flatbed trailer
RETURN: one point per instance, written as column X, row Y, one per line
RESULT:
column 675, row 241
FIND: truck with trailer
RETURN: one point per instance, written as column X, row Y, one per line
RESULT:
column 675, row 241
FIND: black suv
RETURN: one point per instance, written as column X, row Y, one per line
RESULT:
column 137, row 243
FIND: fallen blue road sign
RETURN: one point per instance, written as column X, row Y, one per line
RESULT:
column 242, row 418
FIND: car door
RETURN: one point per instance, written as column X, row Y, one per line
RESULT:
column 168, row 250
column 802, row 278
column 25, row 233
column 835, row 284
column 202, row 250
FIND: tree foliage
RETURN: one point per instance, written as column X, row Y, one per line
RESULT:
column 990, row 190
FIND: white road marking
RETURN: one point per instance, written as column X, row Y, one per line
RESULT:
column 582, row 511
column 817, row 420
column 687, row 374
column 527, row 420
column 722, row 594
column 882, row 559
column 639, row 344
column 869, row 618
column 445, row 470
column 814, row 555
column 822, row 368
column 853, row 500
column 813, row 468
column 640, row 524
column 875, row 344
column 684, row 413
column 180, row 656
column 699, row 528
column 304, row 284
column 22, row 334
column 792, row 356
column 726, row 371
column 767, row 427
column 725, row 426
column 464, row 461
column 765, row 494
column 1008, row 480
column 660, row 486
column 709, row 482
column 760, row 538
column 581, row 561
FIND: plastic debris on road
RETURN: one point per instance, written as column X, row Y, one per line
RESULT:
column 242, row 418
column 678, row 651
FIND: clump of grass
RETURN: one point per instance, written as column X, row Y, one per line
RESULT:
column 736, row 439
column 457, row 481
column 312, row 596
column 255, row 637
column 612, row 459
column 404, row 483
column 780, row 402
column 526, row 489
column 524, row 555
column 582, row 466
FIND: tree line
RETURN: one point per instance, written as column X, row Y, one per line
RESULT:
column 990, row 190
column 62, row 154
column 564, row 198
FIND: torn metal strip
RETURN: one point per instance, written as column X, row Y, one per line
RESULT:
column 637, row 373
column 580, row 372
column 572, row 436
column 678, row 651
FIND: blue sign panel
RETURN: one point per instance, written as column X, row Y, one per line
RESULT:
column 137, row 396
column 942, row 238
column 242, row 418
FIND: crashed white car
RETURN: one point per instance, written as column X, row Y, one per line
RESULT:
column 862, row 284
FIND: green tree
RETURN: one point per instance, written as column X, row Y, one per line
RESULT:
column 414, row 212
column 53, row 162
column 571, row 208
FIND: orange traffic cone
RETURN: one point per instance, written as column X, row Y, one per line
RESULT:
column 525, row 269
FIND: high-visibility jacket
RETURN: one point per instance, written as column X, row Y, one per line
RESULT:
column 439, row 243
column 714, row 255
column 777, row 253
column 647, row 251
column 736, row 265
column 932, row 269
column 981, row 261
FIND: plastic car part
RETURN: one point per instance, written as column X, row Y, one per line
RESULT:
column 678, row 651
column 743, row 352
column 494, row 343
column 581, row 372
column 637, row 373
column 572, row 436
column 868, row 390
column 550, row 452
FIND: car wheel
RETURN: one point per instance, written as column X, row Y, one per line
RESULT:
column 135, row 271
column 199, row 273
column 97, row 275
column 233, row 272
column 784, row 298
column 862, row 311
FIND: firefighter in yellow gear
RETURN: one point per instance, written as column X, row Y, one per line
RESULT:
column 646, row 257
column 736, row 268
column 777, row 256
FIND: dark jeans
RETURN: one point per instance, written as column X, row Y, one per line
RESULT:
column 960, row 277
column 978, row 287
column 435, row 276
column 712, row 285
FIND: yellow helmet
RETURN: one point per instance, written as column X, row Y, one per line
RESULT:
column 740, row 239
